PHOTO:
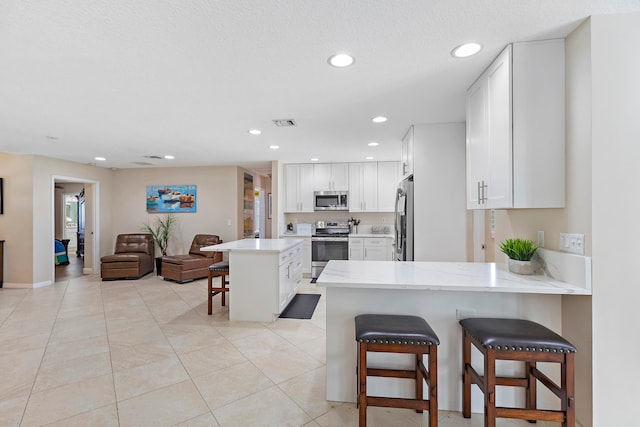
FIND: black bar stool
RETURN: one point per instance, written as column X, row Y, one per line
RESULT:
column 218, row 269
column 398, row 334
column 519, row 340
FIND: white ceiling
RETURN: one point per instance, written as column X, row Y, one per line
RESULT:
column 126, row 79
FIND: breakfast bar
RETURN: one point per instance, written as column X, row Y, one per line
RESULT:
column 264, row 276
column 441, row 293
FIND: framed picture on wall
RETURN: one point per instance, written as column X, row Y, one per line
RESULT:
column 269, row 206
column 171, row 198
column 1, row 197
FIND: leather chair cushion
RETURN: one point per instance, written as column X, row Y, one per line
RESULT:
column 188, row 262
column 134, row 243
column 515, row 334
column 122, row 257
column 201, row 240
column 395, row 329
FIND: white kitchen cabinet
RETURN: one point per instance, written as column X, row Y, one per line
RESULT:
column 407, row 154
column 370, row 248
column 515, row 130
column 388, row 179
column 356, row 248
column 363, row 187
column 298, row 187
column 306, row 252
column 331, row 176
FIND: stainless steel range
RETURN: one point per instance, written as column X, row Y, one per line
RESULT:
column 330, row 241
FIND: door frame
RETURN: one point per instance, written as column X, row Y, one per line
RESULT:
column 92, row 203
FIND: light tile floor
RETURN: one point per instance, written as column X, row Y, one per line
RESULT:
column 145, row 353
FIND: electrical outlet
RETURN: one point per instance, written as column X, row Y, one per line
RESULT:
column 465, row 313
column 573, row 243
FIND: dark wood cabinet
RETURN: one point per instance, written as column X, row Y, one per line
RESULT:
column 81, row 221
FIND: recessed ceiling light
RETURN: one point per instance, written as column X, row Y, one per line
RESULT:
column 255, row 131
column 369, row 158
column 100, row 159
column 341, row 60
column 466, row 50
column 314, row 159
column 169, row 157
column 379, row 119
column 373, row 144
column 274, row 147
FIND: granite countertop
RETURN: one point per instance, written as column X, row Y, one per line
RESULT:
column 439, row 276
column 264, row 245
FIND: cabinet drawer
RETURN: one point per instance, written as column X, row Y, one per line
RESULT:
column 375, row 242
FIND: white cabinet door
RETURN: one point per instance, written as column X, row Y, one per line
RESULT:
column 305, row 189
column 340, row 176
column 363, row 187
column 331, row 176
column 388, row 179
column 477, row 145
column 376, row 249
column 298, row 187
column 498, row 194
column 407, row 154
column 306, row 256
column 356, row 198
column 356, row 248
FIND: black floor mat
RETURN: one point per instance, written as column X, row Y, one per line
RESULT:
column 301, row 306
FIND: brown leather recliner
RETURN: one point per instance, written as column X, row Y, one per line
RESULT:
column 133, row 257
column 195, row 265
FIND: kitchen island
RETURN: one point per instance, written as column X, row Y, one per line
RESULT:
column 264, row 276
column 440, row 292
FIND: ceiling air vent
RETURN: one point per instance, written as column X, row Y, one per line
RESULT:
column 142, row 163
column 284, row 122
column 153, row 157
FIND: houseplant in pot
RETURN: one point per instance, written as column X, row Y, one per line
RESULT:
column 520, row 253
column 161, row 231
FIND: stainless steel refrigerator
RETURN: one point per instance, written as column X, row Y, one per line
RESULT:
column 404, row 221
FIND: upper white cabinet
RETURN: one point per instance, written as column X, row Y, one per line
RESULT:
column 515, row 130
column 406, row 164
column 372, row 186
column 388, row 179
column 363, row 187
column 298, row 187
column 331, row 176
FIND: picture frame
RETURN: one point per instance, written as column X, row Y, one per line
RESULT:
column 1, row 196
column 269, row 206
column 171, row 198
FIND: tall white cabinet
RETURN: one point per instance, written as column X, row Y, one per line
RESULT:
column 515, row 130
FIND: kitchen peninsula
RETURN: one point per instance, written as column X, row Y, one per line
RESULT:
column 439, row 292
column 264, row 276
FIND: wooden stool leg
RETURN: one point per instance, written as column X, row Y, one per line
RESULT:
column 490, row 389
column 433, row 386
column 209, row 293
column 362, row 386
column 419, row 380
column 531, row 400
column 466, row 378
column 568, row 385
column 223, row 277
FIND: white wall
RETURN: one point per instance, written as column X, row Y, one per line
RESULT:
column 616, row 176
column 216, row 204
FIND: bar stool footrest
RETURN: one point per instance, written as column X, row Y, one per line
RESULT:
column 399, row 402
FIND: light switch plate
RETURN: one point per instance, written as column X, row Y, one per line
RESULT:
column 571, row 242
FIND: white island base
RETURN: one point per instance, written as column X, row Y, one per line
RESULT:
column 433, row 291
column 264, row 275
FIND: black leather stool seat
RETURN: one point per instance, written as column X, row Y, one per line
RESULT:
column 515, row 334
column 394, row 329
column 219, row 266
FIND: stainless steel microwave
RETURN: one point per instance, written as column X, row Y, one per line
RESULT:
column 330, row 201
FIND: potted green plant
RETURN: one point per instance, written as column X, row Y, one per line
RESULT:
column 520, row 253
column 161, row 231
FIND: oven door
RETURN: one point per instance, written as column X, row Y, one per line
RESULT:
column 324, row 249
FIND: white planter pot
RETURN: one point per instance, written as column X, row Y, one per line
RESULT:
column 523, row 267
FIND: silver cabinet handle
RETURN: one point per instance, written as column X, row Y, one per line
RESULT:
column 479, row 197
